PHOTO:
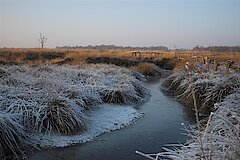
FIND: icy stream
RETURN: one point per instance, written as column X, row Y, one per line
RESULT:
column 160, row 125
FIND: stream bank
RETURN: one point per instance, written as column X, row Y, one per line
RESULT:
column 160, row 125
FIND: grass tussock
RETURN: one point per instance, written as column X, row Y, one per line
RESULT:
column 225, row 86
column 208, row 86
column 58, row 118
column 125, row 94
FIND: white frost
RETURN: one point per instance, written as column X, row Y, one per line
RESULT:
column 104, row 118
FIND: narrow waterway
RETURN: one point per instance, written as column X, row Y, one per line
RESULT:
column 160, row 125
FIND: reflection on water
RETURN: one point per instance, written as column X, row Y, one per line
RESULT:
column 160, row 125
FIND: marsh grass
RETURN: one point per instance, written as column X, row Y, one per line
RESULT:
column 51, row 100
column 166, row 59
column 218, row 136
column 224, row 87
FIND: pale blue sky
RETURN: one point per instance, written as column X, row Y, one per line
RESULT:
column 135, row 23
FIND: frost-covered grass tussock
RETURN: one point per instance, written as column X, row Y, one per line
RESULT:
column 215, row 137
column 207, row 88
column 52, row 100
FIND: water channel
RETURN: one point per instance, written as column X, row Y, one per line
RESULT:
column 160, row 125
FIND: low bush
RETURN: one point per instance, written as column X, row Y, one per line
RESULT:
column 166, row 63
column 148, row 69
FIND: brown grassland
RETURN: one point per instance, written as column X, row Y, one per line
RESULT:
column 32, row 56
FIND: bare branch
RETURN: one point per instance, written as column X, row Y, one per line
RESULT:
column 42, row 39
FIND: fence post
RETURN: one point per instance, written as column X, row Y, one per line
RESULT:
column 227, row 66
column 215, row 65
column 205, row 60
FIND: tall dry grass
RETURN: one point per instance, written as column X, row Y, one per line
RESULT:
column 78, row 56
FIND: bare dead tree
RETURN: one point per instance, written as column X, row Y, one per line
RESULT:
column 42, row 39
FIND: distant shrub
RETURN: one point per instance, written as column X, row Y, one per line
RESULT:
column 34, row 56
column 53, row 55
column 148, row 69
column 112, row 60
column 166, row 63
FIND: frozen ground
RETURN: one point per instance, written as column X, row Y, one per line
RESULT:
column 56, row 106
column 104, row 118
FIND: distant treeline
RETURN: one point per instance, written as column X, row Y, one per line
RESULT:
column 218, row 48
column 105, row 47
